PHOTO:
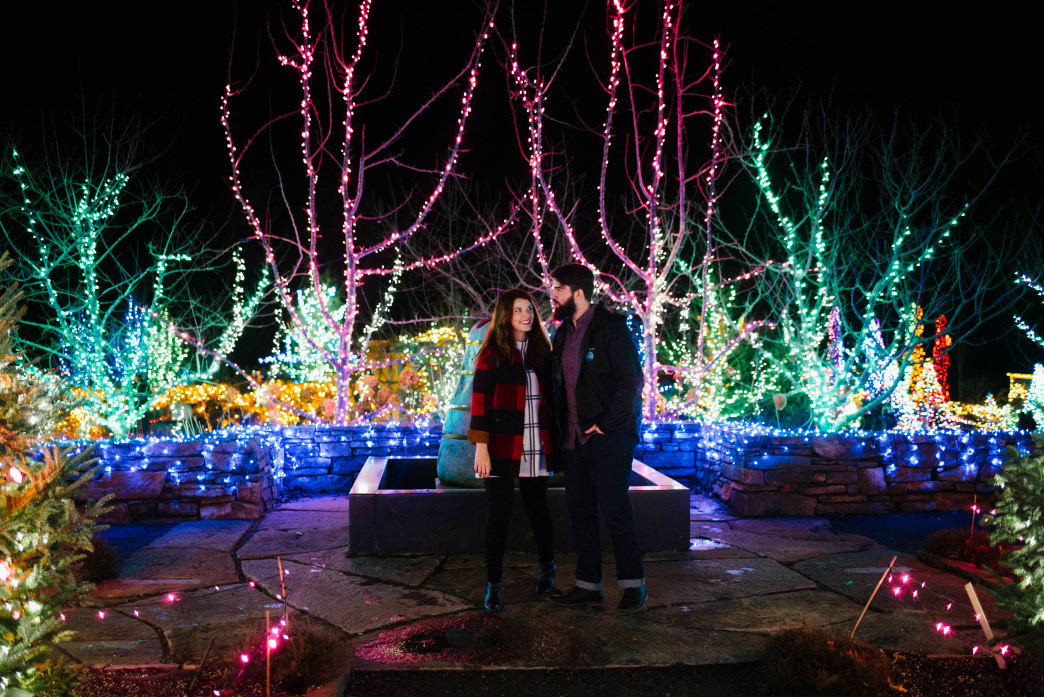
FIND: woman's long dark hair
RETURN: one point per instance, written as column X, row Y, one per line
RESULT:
column 500, row 340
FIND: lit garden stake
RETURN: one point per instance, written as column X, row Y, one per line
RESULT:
column 980, row 615
column 779, row 401
column 974, row 509
column 268, row 655
column 282, row 589
column 876, row 588
column 199, row 668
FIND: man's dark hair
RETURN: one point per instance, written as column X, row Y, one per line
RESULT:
column 577, row 277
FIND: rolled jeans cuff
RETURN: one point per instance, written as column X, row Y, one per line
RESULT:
column 588, row 586
column 629, row 582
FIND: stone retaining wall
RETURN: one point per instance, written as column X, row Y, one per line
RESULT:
column 772, row 475
column 672, row 448
column 324, row 459
column 213, row 477
column 238, row 473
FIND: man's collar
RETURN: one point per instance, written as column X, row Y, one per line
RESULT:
column 589, row 309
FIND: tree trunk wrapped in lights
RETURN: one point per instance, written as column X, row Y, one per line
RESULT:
column 42, row 534
column 663, row 256
column 336, row 145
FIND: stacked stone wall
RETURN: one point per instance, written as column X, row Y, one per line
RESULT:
column 239, row 473
column 772, row 475
column 207, row 478
column 673, row 448
column 326, row 459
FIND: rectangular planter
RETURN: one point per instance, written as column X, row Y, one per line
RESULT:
column 397, row 507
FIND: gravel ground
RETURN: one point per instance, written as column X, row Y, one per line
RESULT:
column 912, row 676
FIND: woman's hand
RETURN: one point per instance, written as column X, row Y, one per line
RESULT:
column 482, row 465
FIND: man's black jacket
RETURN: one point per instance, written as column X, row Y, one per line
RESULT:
column 609, row 388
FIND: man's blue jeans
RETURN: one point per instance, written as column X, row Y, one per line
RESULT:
column 597, row 476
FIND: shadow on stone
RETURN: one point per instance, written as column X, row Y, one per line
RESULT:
column 480, row 640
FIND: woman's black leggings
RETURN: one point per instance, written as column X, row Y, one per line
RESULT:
column 500, row 494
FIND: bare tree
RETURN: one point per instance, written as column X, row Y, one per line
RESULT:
column 660, row 248
column 351, row 138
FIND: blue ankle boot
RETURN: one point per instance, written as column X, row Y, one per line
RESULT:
column 546, row 579
column 493, row 603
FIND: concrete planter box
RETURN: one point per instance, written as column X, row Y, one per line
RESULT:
column 397, row 507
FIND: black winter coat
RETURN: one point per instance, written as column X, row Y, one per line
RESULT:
column 609, row 388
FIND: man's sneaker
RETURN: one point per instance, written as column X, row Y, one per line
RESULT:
column 633, row 599
column 578, row 597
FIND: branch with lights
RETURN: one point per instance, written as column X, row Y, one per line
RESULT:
column 669, row 267
column 331, row 327
column 1036, row 287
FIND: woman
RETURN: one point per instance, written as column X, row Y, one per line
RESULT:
column 510, row 424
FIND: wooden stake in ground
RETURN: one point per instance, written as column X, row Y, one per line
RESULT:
column 282, row 589
column 983, row 622
column 195, row 676
column 876, row 588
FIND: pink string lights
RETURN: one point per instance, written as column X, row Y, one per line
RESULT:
column 295, row 257
column 946, row 612
column 652, row 117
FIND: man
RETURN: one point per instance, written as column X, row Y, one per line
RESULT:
column 596, row 384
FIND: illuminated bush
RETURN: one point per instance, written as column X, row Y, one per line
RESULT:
column 1020, row 523
column 42, row 534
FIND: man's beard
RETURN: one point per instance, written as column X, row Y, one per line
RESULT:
column 564, row 312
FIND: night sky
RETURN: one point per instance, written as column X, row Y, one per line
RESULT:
column 168, row 62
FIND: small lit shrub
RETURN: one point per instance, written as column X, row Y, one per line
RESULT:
column 809, row 662
column 1020, row 523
